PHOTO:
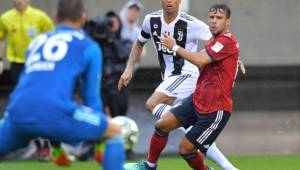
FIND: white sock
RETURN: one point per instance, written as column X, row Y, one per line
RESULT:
column 215, row 155
column 151, row 165
column 160, row 110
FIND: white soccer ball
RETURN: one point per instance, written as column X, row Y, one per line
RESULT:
column 129, row 130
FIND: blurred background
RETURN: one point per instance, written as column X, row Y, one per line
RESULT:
column 266, row 118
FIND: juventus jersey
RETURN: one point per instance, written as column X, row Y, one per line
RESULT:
column 185, row 29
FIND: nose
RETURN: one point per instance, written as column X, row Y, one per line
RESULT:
column 214, row 20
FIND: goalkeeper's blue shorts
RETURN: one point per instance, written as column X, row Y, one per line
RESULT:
column 83, row 125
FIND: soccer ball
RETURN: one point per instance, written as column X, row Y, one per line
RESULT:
column 129, row 130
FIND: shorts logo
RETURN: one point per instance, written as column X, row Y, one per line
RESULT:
column 217, row 47
column 206, row 146
column 155, row 26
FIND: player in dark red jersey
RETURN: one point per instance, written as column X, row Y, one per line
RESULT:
column 209, row 108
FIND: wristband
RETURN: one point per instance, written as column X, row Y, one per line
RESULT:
column 175, row 48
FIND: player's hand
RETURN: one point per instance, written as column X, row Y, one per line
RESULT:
column 242, row 67
column 1, row 67
column 167, row 40
column 125, row 78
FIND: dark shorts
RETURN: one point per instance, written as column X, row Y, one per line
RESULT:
column 206, row 127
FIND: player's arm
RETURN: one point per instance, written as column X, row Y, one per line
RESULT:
column 134, row 57
column 91, row 78
column 135, row 54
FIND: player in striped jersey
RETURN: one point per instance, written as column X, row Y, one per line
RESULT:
column 179, row 76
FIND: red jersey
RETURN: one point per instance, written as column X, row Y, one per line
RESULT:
column 214, row 86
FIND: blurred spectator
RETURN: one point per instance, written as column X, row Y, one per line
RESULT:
column 116, row 52
column 19, row 26
column 107, row 32
column 129, row 15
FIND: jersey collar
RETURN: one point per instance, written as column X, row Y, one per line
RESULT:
column 65, row 27
column 27, row 11
column 173, row 22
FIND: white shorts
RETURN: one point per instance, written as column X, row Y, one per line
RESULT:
column 178, row 86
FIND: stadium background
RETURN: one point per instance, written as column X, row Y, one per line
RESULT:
column 266, row 120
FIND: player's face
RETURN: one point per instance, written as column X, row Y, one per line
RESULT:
column 218, row 22
column 21, row 5
column 170, row 6
column 133, row 14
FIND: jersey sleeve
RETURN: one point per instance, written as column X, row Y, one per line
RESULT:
column 91, row 78
column 2, row 29
column 46, row 23
column 201, row 31
column 221, row 49
column 145, row 35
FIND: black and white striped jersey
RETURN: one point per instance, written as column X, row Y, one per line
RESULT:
column 186, row 30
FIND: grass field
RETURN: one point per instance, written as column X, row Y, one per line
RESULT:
column 172, row 163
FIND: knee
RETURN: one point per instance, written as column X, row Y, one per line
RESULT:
column 113, row 130
column 186, row 148
column 150, row 105
column 162, row 125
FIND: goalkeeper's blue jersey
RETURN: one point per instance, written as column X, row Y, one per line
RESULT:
column 55, row 62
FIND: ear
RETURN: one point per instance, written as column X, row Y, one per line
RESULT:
column 83, row 18
column 228, row 21
column 55, row 17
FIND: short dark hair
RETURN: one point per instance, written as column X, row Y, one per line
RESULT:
column 222, row 7
column 70, row 9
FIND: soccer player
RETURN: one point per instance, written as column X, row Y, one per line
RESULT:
column 209, row 108
column 179, row 75
column 28, row 22
column 42, row 105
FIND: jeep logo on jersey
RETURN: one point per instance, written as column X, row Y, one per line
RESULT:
column 164, row 49
column 180, row 35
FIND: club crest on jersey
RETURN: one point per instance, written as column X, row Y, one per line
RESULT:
column 180, row 35
column 155, row 33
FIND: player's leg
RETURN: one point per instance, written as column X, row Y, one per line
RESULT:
column 160, row 136
column 158, row 142
column 171, row 91
column 214, row 154
column 10, row 138
column 159, row 103
column 93, row 126
column 114, row 155
column 171, row 120
column 189, row 153
column 202, row 135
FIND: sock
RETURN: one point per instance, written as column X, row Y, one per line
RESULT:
column 38, row 143
column 46, row 144
column 195, row 160
column 215, row 155
column 114, row 155
column 160, row 110
column 157, row 144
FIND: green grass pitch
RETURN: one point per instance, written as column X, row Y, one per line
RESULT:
column 172, row 163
